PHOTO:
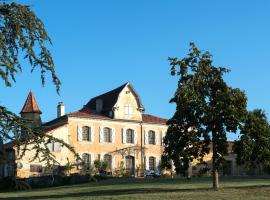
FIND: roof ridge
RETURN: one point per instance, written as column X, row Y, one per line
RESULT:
column 121, row 86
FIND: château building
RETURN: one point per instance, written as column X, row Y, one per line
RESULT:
column 112, row 124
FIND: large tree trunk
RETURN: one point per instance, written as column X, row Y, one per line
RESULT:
column 215, row 179
column 215, row 169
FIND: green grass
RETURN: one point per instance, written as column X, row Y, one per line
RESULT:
column 198, row 188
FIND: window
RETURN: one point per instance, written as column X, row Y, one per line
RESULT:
column 108, row 158
column 54, row 146
column 151, row 137
column 99, row 105
column 86, row 158
column 86, row 133
column 36, row 168
column 152, row 163
column 130, row 136
column 128, row 110
column 107, row 135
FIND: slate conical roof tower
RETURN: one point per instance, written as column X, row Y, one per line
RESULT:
column 31, row 110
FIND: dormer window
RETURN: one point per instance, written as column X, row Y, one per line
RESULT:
column 128, row 111
column 99, row 105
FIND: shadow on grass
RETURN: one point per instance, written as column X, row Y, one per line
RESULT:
column 117, row 192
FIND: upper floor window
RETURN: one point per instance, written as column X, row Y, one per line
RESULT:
column 128, row 110
column 54, row 146
column 152, row 163
column 107, row 134
column 86, row 133
column 99, row 105
column 151, row 137
column 130, row 136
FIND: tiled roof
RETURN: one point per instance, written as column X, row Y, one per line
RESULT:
column 109, row 99
column 30, row 105
column 153, row 119
column 87, row 113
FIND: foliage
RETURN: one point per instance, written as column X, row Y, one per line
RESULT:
column 23, row 32
column 23, row 35
column 101, row 165
column 206, row 109
column 122, row 169
column 68, row 167
column 13, row 127
column 253, row 148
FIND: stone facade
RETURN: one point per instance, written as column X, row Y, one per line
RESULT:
column 111, row 124
column 128, row 128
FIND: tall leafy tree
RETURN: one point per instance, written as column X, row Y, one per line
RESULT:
column 23, row 35
column 206, row 110
column 253, row 148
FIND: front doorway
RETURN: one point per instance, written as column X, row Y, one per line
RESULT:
column 130, row 165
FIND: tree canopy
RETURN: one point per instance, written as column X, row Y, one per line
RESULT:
column 23, row 35
column 206, row 110
column 253, row 148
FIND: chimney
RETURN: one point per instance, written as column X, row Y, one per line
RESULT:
column 60, row 109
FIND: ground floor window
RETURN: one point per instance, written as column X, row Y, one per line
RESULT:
column 152, row 163
column 36, row 168
column 86, row 158
column 108, row 158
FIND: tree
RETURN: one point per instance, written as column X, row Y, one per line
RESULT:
column 206, row 110
column 253, row 148
column 23, row 35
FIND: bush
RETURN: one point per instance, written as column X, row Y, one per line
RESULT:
column 101, row 166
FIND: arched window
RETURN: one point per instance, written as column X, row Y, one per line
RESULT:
column 107, row 135
column 86, row 133
column 130, row 136
column 86, row 158
column 108, row 159
column 151, row 137
column 152, row 163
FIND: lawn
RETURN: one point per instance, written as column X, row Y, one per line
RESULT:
column 198, row 188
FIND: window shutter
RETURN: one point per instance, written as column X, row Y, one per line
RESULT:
column 145, row 136
column 50, row 146
column 156, row 138
column 113, row 135
column 57, row 146
column 79, row 133
column 113, row 162
column 92, row 132
column 92, row 158
column 124, row 134
column 156, row 162
column 102, row 156
column 162, row 138
column 100, row 134
column 146, row 163
column 135, row 137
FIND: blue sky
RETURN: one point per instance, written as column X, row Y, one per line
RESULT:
column 99, row 45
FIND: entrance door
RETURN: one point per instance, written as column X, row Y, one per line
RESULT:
column 130, row 165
